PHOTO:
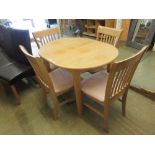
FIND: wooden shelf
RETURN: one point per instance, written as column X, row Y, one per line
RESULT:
column 91, row 25
column 89, row 34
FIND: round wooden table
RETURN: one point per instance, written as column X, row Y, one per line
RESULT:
column 78, row 55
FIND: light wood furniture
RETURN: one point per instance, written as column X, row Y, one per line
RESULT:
column 108, row 35
column 43, row 37
column 91, row 25
column 125, row 27
column 55, row 83
column 63, row 25
column 105, row 87
column 78, row 55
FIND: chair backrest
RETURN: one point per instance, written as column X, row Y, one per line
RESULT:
column 39, row 68
column 108, row 35
column 45, row 36
column 120, row 75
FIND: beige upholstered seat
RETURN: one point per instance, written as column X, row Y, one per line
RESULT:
column 62, row 80
column 43, row 37
column 56, row 82
column 95, row 86
column 105, row 88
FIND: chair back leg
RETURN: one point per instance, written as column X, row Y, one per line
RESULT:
column 124, row 103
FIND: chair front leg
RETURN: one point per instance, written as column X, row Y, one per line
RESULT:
column 124, row 103
column 56, row 109
column 106, row 117
column 13, row 88
column 55, row 105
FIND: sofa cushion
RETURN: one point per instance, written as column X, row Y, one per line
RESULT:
column 13, row 71
column 4, row 59
column 10, row 39
column 13, row 64
column 20, row 37
column 6, row 40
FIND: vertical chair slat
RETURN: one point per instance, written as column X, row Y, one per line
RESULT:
column 46, row 36
column 108, row 35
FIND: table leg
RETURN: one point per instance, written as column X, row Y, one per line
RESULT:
column 77, row 88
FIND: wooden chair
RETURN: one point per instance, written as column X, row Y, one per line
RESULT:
column 56, row 82
column 106, row 87
column 43, row 37
column 108, row 35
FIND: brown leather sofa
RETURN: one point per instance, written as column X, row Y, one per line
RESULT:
column 13, row 64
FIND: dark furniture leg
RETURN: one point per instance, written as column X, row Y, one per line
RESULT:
column 124, row 103
column 13, row 88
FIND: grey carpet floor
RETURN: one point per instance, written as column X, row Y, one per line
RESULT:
column 34, row 116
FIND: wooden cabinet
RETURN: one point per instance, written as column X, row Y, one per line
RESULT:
column 125, row 27
column 91, row 25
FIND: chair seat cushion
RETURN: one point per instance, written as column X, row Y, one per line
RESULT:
column 95, row 86
column 62, row 80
